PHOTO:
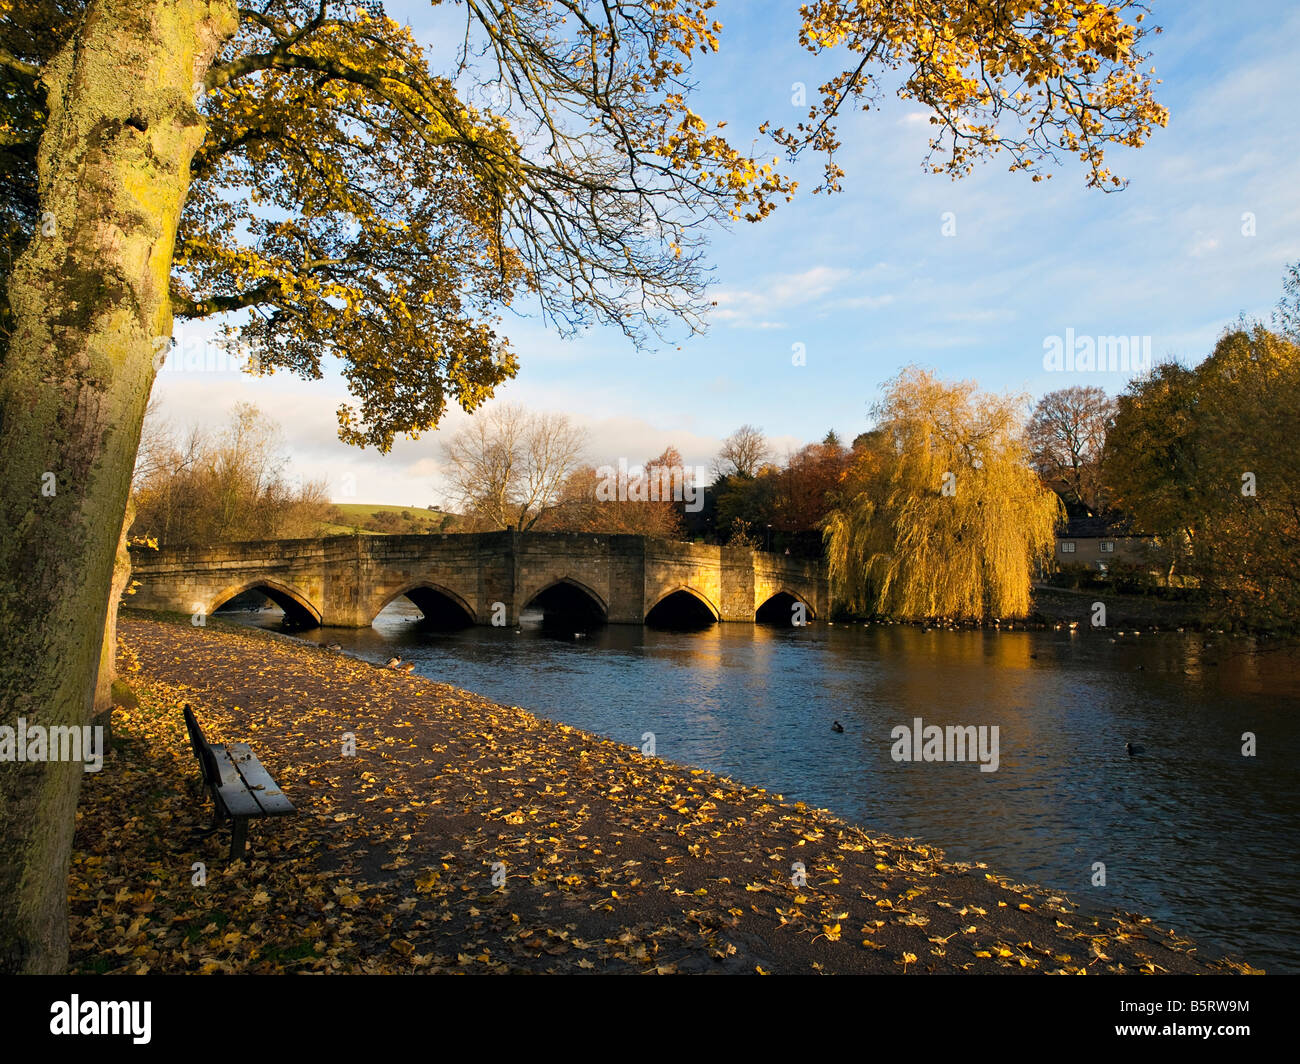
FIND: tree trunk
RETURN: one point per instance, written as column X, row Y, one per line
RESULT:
column 89, row 295
column 108, row 653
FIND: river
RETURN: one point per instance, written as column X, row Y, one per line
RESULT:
column 1190, row 831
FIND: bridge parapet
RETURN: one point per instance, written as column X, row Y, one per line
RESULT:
column 490, row 577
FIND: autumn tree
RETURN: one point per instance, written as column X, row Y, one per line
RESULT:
column 196, row 487
column 299, row 163
column 1036, row 79
column 646, row 501
column 1286, row 315
column 791, row 498
column 808, row 486
column 1204, row 458
column 507, row 466
column 1066, row 436
column 948, row 519
column 1151, row 457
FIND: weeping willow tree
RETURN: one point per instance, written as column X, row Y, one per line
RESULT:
column 943, row 516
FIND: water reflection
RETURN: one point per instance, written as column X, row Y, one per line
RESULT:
column 1191, row 832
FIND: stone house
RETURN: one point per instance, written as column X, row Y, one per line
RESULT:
column 1096, row 544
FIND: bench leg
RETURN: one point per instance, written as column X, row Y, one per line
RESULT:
column 218, row 813
column 238, row 838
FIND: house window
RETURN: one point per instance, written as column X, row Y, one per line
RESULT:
column 1108, row 546
column 1067, row 547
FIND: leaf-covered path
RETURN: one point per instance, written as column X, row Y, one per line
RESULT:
column 613, row 862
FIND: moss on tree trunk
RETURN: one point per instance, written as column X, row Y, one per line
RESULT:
column 89, row 296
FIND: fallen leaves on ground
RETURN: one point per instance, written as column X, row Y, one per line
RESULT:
column 475, row 837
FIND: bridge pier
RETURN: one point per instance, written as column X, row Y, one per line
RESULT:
column 482, row 578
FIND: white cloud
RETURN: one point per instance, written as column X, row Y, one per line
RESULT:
column 744, row 308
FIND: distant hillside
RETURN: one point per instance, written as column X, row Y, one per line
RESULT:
column 352, row 518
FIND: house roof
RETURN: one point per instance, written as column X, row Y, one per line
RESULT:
column 1095, row 528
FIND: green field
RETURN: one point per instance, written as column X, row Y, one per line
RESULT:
column 358, row 515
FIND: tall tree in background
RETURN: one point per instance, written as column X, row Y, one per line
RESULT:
column 1286, row 316
column 808, row 486
column 205, row 488
column 1151, row 457
column 947, row 518
column 742, row 454
column 644, row 504
column 507, row 466
column 1205, row 459
column 1066, row 437
column 300, row 160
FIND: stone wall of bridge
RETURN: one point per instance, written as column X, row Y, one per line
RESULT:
column 347, row 580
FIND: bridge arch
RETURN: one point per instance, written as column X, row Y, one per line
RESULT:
column 777, row 608
column 298, row 609
column 442, row 607
column 568, row 599
column 683, row 606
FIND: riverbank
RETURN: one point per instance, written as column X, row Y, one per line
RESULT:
column 1051, row 605
column 613, row 861
column 1055, row 607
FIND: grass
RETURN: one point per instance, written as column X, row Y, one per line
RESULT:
column 361, row 510
column 359, row 513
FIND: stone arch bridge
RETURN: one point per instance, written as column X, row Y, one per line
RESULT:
column 486, row 578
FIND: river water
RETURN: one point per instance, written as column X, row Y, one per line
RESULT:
column 1191, row 832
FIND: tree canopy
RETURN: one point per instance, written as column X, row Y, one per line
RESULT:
column 943, row 517
column 1066, row 436
column 1205, row 459
column 353, row 202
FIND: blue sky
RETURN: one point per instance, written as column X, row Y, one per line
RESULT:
column 867, row 281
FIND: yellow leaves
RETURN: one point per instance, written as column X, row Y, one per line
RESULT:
column 435, row 908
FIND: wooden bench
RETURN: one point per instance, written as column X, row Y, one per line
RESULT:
column 241, row 788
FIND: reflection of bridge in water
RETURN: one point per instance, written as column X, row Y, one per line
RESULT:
column 486, row 578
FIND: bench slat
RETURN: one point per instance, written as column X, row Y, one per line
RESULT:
column 237, row 798
column 265, row 791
